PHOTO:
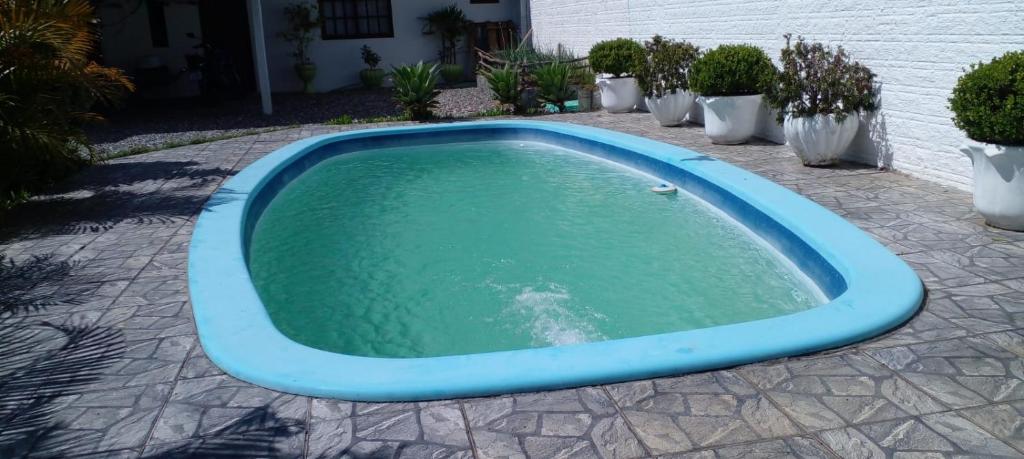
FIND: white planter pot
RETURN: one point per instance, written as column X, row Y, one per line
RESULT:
column 670, row 109
column 619, row 95
column 819, row 140
column 730, row 120
column 998, row 183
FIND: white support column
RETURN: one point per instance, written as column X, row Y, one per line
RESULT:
column 259, row 54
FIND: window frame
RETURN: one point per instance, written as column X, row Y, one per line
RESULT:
column 324, row 35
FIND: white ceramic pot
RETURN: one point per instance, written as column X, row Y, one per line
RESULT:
column 619, row 95
column 730, row 120
column 998, row 183
column 670, row 109
column 819, row 140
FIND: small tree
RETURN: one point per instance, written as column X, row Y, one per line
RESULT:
column 451, row 23
column 815, row 80
column 668, row 64
column 303, row 18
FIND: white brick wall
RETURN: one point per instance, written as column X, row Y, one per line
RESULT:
column 917, row 47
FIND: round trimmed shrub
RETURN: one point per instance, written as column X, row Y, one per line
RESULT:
column 732, row 70
column 988, row 101
column 618, row 57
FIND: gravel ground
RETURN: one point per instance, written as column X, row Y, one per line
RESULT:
column 167, row 122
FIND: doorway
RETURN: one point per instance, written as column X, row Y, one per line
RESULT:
column 225, row 25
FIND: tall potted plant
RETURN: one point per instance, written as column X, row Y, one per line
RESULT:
column 664, row 79
column 731, row 81
column 451, row 24
column 303, row 18
column 586, row 84
column 988, row 105
column 371, row 76
column 618, row 60
column 818, row 94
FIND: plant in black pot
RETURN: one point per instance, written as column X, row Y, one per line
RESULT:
column 451, row 24
column 819, row 93
column 988, row 105
column 664, row 81
column 302, row 18
column 618, row 60
column 372, row 77
column 731, row 81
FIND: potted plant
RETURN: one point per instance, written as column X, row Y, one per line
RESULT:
column 416, row 89
column 731, row 81
column 371, row 76
column 586, row 83
column 818, row 94
column 619, row 60
column 988, row 105
column 664, row 79
column 303, row 18
column 451, row 24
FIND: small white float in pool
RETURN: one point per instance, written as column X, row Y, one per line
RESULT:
column 664, row 188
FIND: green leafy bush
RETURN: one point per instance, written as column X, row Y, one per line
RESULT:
column 416, row 89
column 303, row 19
column 668, row 63
column 732, row 70
column 988, row 101
column 815, row 80
column 505, row 86
column 48, row 85
column 618, row 57
column 553, row 84
column 370, row 57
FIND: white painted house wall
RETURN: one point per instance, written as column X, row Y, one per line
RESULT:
column 127, row 39
column 339, row 62
column 917, row 47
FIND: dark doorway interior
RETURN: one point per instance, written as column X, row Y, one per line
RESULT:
column 225, row 25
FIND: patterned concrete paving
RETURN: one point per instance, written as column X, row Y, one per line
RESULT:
column 100, row 356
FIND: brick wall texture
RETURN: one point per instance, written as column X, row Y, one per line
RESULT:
column 918, row 48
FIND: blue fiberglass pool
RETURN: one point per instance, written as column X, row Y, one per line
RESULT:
column 469, row 259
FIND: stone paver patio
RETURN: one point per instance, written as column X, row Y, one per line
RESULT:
column 101, row 359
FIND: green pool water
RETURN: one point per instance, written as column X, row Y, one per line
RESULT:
column 488, row 246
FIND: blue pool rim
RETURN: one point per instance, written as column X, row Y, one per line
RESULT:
column 870, row 289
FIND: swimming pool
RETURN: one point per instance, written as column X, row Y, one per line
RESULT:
column 478, row 258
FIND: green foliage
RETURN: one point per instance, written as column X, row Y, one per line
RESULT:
column 668, row 63
column 505, row 86
column 553, row 84
column 372, row 78
column 348, row 119
column 303, row 18
column 416, row 89
column 451, row 73
column 48, row 85
column 815, row 80
column 584, row 78
column 988, row 100
column 618, row 57
column 732, row 70
column 370, row 57
column 451, row 23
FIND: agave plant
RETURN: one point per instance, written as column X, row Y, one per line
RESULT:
column 505, row 86
column 416, row 89
column 48, row 84
column 553, row 83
